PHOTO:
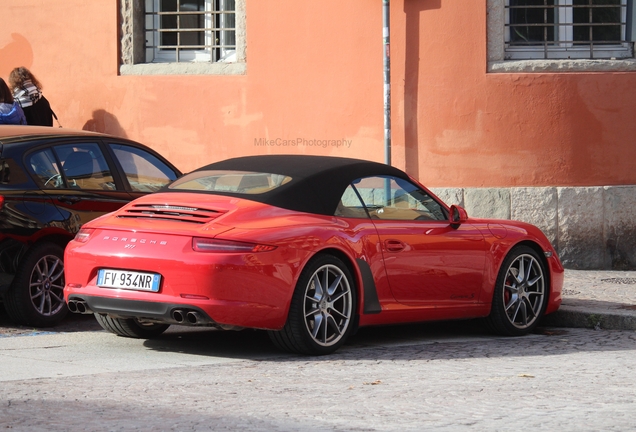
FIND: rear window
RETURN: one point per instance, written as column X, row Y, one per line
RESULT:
column 239, row 182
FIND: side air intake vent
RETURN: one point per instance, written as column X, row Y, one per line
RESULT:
column 171, row 212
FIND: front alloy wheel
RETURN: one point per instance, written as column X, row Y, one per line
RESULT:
column 520, row 295
column 322, row 309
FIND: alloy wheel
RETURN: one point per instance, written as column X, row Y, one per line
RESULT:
column 46, row 285
column 524, row 291
column 327, row 305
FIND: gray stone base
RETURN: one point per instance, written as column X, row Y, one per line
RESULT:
column 590, row 227
column 573, row 318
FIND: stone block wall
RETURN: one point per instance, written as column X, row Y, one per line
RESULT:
column 590, row 227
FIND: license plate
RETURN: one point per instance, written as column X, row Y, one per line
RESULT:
column 130, row 280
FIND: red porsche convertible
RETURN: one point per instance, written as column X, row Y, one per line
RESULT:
column 308, row 248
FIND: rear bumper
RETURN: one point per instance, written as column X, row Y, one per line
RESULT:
column 167, row 313
column 251, row 290
column 174, row 310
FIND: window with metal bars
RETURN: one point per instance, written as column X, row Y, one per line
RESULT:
column 568, row 29
column 190, row 30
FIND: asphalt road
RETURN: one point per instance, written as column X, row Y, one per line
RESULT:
column 447, row 376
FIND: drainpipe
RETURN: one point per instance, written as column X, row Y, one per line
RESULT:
column 387, row 81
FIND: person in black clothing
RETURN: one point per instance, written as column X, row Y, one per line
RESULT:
column 27, row 90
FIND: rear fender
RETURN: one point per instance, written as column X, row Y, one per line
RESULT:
column 368, row 302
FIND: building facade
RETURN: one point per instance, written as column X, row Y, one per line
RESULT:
column 513, row 108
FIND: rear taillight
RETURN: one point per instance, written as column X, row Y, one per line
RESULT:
column 200, row 244
column 1, row 201
column 83, row 235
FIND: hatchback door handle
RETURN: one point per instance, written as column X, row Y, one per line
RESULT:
column 394, row 245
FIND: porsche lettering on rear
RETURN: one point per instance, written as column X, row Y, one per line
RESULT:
column 135, row 240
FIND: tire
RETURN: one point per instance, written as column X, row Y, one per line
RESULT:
column 130, row 327
column 521, row 293
column 36, row 295
column 319, row 320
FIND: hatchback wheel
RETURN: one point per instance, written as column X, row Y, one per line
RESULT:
column 520, row 295
column 36, row 295
column 322, row 309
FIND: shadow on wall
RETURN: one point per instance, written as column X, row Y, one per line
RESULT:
column 16, row 53
column 104, row 122
column 412, row 10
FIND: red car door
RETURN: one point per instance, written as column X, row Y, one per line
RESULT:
column 432, row 262
column 428, row 261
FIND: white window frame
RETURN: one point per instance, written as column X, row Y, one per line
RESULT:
column 499, row 61
column 155, row 53
column 135, row 42
column 566, row 49
column 226, row 39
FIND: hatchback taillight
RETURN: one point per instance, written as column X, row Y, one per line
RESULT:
column 83, row 235
column 1, row 201
column 201, row 244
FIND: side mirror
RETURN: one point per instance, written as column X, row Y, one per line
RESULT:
column 457, row 215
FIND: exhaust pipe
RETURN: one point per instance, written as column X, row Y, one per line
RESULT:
column 193, row 317
column 178, row 315
column 79, row 306
column 72, row 306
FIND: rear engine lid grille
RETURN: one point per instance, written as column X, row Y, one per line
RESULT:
column 177, row 213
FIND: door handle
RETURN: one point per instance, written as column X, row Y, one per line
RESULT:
column 394, row 245
column 70, row 199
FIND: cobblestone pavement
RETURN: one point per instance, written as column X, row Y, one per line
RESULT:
column 442, row 377
column 72, row 323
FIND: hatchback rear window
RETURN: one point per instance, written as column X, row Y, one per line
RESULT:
column 240, row 182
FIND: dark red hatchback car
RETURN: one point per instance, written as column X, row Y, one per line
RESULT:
column 51, row 182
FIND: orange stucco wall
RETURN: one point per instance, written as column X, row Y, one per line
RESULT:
column 314, row 72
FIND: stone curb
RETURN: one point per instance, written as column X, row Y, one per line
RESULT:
column 573, row 317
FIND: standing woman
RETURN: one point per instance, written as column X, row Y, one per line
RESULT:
column 27, row 90
column 10, row 111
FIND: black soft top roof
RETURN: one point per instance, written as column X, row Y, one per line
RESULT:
column 317, row 184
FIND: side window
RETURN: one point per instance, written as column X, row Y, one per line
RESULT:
column 393, row 198
column 350, row 205
column 144, row 171
column 45, row 167
column 84, row 167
